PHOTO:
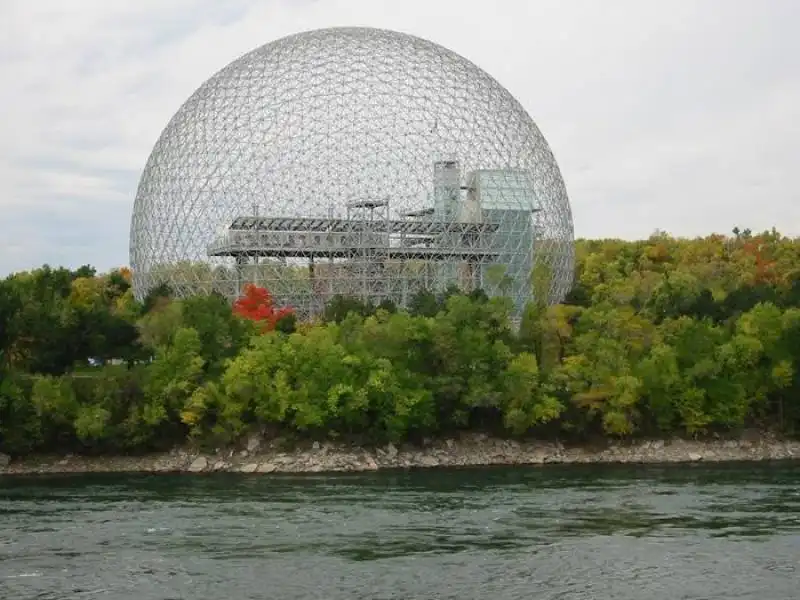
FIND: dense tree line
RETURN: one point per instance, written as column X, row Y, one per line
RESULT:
column 659, row 337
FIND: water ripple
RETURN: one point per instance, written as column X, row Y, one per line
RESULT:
column 677, row 532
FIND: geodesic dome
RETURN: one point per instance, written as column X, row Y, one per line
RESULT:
column 351, row 161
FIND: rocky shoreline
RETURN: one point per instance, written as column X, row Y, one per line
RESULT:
column 260, row 456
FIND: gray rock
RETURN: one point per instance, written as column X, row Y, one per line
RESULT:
column 315, row 446
column 198, row 465
column 248, row 468
column 266, row 468
column 536, row 458
column 5, row 460
column 253, row 443
column 695, row 456
column 244, row 454
column 428, row 461
column 391, row 450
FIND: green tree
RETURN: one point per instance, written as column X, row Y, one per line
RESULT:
column 222, row 334
column 598, row 374
column 20, row 424
column 171, row 380
column 56, row 406
column 10, row 306
column 526, row 402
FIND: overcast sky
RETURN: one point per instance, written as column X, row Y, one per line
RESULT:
column 679, row 115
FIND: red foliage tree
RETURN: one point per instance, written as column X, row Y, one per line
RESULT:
column 256, row 305
column 765, row 266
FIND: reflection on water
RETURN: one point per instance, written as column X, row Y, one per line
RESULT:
column 685, row 531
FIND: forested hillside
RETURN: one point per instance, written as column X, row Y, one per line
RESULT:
column 660, row 337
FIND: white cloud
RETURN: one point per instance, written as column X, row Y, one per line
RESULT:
column 682, row 116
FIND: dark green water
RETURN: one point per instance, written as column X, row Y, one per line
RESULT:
column 565, row 532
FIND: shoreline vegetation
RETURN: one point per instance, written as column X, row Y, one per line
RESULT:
column 659, row 339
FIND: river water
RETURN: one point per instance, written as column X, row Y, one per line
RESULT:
column 567, row 532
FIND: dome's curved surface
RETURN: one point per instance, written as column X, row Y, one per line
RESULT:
column 334, row 138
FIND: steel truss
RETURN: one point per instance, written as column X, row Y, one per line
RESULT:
column 351, row 161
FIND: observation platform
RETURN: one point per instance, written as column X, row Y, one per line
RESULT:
column 385, row 239
column 309, row 224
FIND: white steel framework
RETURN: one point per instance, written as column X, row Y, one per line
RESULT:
column 351, row 161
